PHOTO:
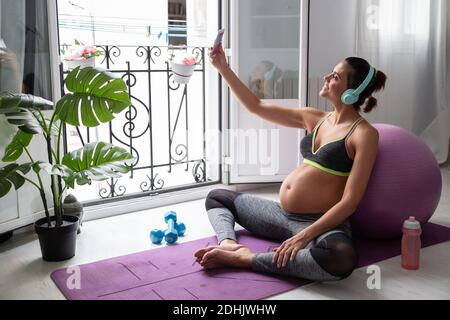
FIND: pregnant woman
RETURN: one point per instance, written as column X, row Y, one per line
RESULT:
column 317, row 198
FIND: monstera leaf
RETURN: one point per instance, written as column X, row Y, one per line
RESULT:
column 22, row 100
column 52, row 169
column 95, row 97
column 96, row 161
column 10, row 175
column 18, row 109
column 15, row 149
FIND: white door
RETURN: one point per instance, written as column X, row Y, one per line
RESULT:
column 268, row 48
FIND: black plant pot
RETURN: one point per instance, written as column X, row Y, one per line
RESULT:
column 57, row 243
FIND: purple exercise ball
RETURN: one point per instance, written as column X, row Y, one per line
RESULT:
column 405, row 181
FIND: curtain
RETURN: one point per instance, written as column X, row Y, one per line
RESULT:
column 25, row 62
column 409, row 41
column 37, row 74
column 24, row 30
column 12, row 29
column 12, row 32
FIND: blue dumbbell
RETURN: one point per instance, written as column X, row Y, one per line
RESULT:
column 156, row 236
column 181, row 228
column 171, row 233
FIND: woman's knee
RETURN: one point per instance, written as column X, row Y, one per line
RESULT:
column 336, row 255
column 346, row 258
column 221, row 198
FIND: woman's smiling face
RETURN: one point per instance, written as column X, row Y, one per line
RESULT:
column 335, row 83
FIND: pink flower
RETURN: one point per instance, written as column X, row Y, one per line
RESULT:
column 88, row 51
column 188, row 61
column 74, row 53
column 80, row 52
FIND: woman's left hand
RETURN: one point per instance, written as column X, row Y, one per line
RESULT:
column 289, row 249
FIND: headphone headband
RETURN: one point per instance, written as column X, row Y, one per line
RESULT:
column 366, row 81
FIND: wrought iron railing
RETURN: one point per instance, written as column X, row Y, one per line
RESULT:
column 159, row 106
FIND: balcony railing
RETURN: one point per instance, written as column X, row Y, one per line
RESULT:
column 164, row 128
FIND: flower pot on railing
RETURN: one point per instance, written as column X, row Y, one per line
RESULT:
column 182, row 65
column 82, row 63
column 80, row 55
column 182, row 73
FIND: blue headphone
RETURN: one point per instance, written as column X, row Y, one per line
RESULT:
column 351, row 96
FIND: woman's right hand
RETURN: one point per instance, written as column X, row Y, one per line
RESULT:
column 218, row 59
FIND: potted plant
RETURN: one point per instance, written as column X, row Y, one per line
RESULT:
column 182, row 65
column 93, row 97
column 80, row 55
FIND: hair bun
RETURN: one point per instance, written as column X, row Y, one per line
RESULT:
column 369, row 104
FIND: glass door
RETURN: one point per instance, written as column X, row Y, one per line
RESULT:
column 267, row 46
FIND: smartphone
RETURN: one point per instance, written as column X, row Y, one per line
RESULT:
column 218, row 40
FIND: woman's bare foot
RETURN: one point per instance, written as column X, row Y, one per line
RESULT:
column 224, row 246
column 219, row 258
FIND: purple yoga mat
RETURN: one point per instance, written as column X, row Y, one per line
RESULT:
column 170, row 273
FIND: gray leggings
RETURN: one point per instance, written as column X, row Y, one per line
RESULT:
column 331, row 256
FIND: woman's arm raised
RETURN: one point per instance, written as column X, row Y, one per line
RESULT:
column 285, row 116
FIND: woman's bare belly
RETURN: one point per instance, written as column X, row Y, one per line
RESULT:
column 309, row 190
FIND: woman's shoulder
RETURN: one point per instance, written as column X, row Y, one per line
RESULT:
column 365, row 133
column 311, row 116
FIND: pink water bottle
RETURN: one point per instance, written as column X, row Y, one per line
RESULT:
column 411, row 244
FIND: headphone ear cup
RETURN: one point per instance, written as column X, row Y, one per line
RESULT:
column 348, row 97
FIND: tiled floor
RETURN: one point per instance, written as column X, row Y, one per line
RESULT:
column 24, row 275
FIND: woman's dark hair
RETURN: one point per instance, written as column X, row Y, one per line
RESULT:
column 359, row 70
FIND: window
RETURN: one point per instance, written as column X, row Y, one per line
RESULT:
column 170, row 128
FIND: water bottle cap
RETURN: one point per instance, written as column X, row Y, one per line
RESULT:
column 411, row 223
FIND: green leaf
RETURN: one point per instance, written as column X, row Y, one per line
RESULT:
column 38, row 166
column 11, row 175
column 52, row 169
column 25, row 120
column 96, row 161
column 54, row 130
column 22, row 100
column 95, row 96
column 15, row 149
column 18, row 109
